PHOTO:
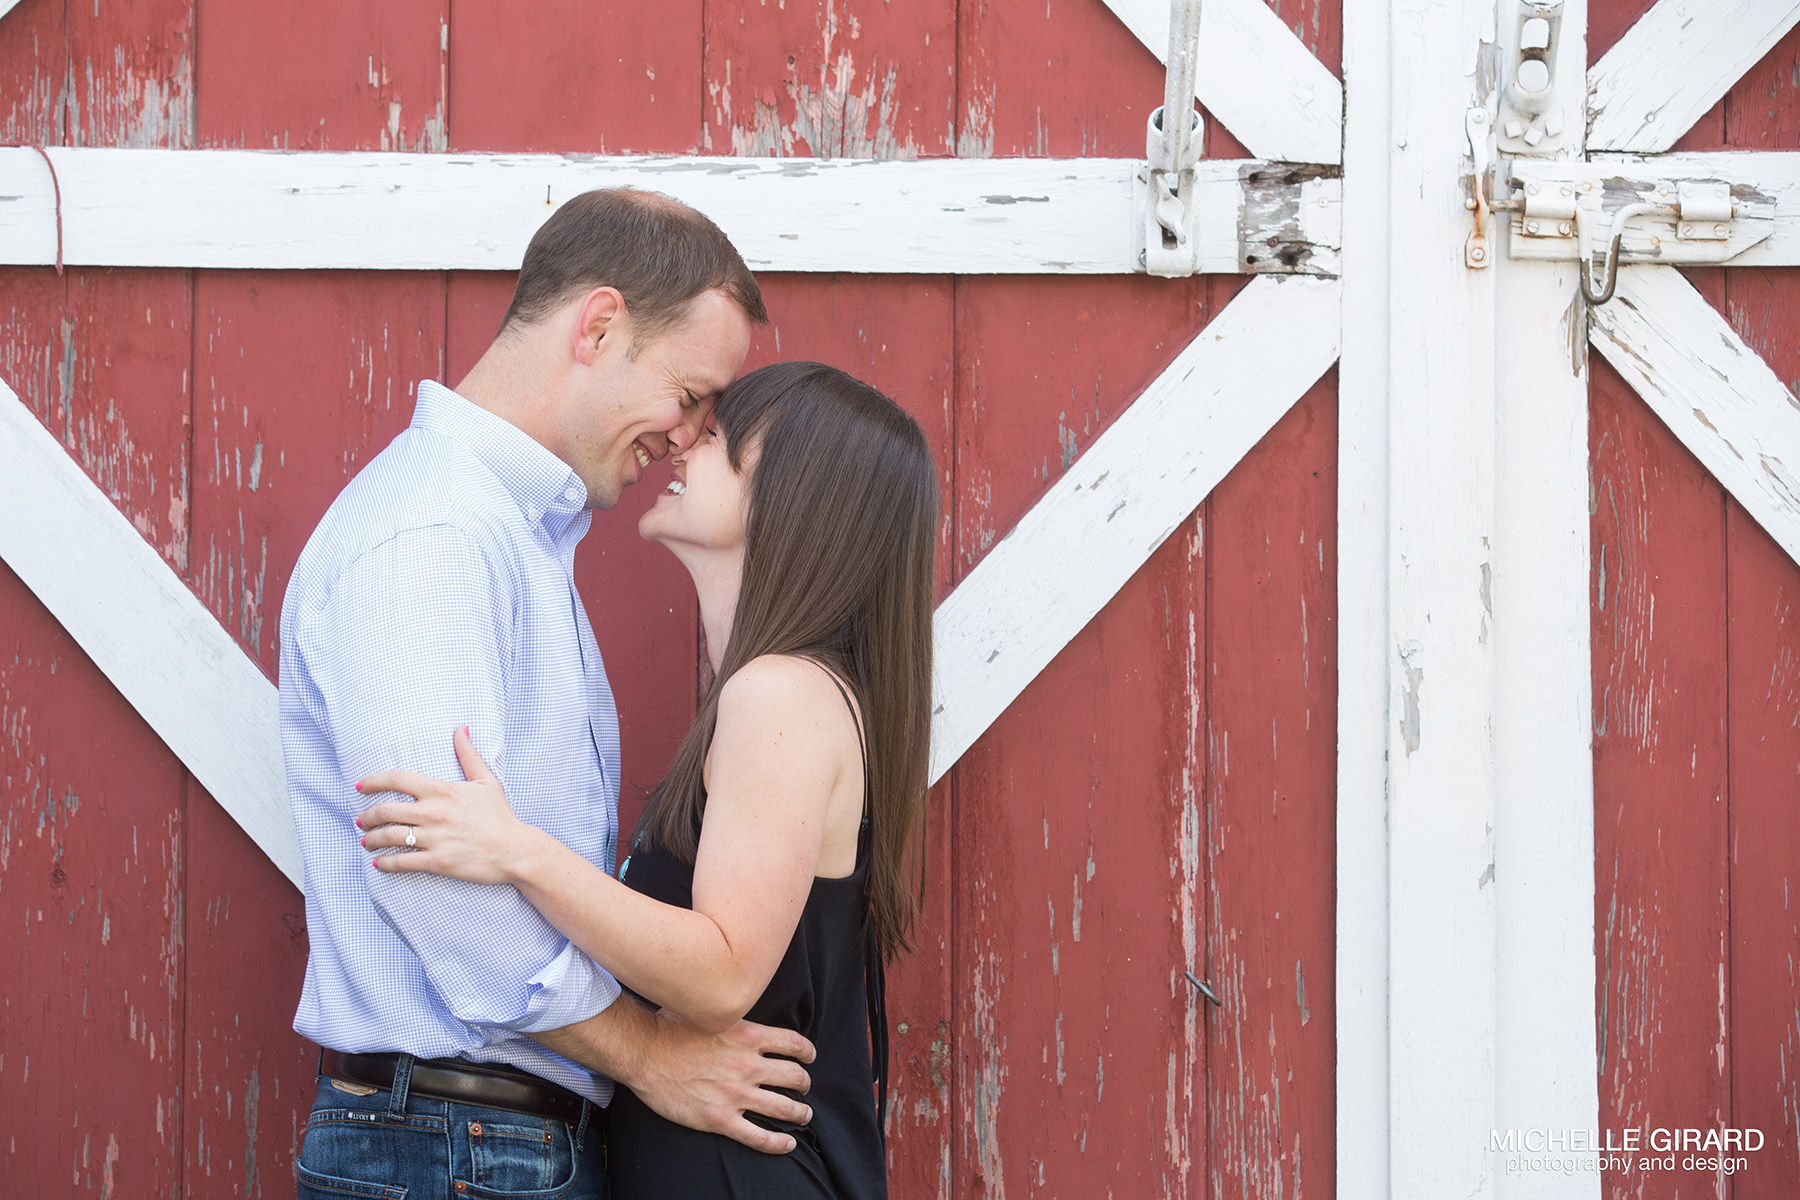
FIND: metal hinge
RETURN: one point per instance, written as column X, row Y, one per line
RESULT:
column 1600, row 216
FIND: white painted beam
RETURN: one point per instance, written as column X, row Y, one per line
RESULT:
column 1363, row 1170
column 6, row 6
column 1763, row 181
column 1042, row 583
column 1254, row 75
column 164, row 651
column 1439, row 737
column 1711, row 389
column 1673, row 65
column 247, row 209
column 1546, row 1056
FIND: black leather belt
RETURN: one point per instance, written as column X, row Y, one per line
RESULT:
column 489, row 1085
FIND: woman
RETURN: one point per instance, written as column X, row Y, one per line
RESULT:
column 769, row 874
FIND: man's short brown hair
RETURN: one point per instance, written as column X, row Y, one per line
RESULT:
column 655, row 250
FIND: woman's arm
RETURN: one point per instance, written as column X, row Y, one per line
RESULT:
column 784, row 742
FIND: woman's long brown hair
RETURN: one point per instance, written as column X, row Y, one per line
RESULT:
column 839, row 566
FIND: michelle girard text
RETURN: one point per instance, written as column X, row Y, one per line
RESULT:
column 1629, row 1140
column 1581, row 1151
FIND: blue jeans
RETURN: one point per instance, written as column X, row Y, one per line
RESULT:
column 391, row 1145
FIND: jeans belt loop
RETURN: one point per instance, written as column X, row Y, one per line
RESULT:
column 587, row 1113
column 402, row 1085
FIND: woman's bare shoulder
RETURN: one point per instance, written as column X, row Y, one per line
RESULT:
column 786, row 689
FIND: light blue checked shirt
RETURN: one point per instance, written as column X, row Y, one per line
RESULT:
column 437, row 592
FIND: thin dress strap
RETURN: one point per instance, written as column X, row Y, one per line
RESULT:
column 874, row 968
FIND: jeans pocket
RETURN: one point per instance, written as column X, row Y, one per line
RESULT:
column 520, row 1155
column 367, row 1151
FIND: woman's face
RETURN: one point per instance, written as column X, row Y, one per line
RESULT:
column 707, row 504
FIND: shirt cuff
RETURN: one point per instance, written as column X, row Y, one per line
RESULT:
column 569, row 989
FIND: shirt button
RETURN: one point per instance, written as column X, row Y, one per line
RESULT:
column 572, row 495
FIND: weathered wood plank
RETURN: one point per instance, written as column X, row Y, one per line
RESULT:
column 1080, row 1050
column 131, row 75
column 1131, row 489
column 1545, row 1063
column 1763, row 700
column 1660, row 828
column 1255, row 75
column 467, row 212
column 1674, row 64
column 1714, row 392
column 1271, row 743
column 1361, row 877
column 1762, row 632
column 1440, row 668
column 34, row 67
column 92, row 873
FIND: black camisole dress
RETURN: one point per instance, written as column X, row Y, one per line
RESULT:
column 829, row 988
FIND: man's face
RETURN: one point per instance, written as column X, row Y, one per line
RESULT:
column 640, row 409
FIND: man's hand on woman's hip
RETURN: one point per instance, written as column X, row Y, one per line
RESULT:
column 705, row 1081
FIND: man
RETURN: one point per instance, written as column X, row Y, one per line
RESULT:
column 466, row 1042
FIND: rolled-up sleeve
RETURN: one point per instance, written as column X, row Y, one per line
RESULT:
column 414, row 639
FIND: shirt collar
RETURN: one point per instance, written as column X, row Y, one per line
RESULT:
column 546, row 490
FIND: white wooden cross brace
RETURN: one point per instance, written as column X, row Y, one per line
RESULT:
column 249, row 209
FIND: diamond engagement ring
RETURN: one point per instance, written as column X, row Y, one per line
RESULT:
column 412, row 839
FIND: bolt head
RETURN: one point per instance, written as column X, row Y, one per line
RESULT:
column 1531, row 227
column 1568, row 189
column 1531, row 189
column 1478, row 254
column 1720, row 231
column 1480, row 117
column 1687, row 231
column 1565, row 229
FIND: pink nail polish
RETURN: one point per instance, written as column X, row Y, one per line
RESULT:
column 359, row 787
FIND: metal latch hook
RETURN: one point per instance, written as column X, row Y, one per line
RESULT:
column 1610, row 252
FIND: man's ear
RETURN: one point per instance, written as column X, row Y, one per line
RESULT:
column 601, row 319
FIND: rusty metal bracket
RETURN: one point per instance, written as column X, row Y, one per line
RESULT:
column 1476, row 254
